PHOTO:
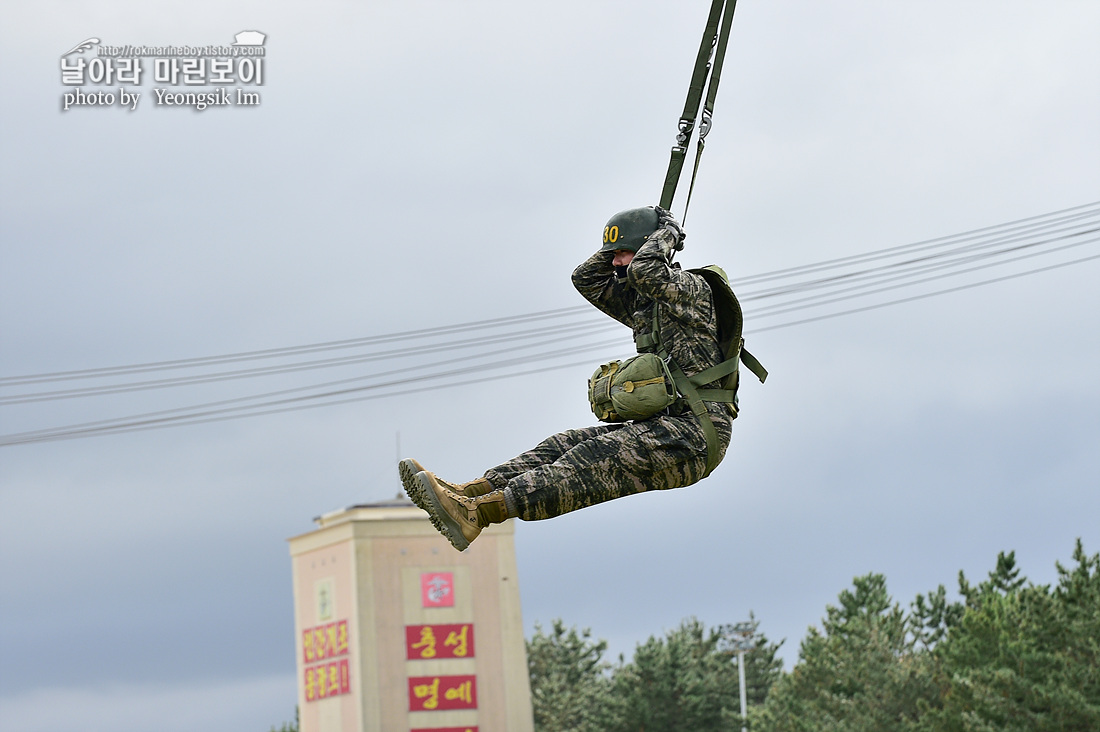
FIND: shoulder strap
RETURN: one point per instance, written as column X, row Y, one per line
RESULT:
column 695, row 398
column 730, row 324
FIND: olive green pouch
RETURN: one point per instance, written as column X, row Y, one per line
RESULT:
column 636, row 388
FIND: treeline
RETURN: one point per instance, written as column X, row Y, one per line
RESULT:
column 1009, row 656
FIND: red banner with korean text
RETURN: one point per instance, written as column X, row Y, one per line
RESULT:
column 439, row 641
column 437, row 693
column 325, row 641
column 328, row 679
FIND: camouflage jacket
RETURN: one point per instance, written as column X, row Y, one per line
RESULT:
column 688, row 322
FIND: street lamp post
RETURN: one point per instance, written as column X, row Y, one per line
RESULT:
column 741, row 678
column 742, row 643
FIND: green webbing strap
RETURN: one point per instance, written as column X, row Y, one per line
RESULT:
column 645, row 341
column 717, row 395
column 714, row 42
column 754, row 366
column 728, row 367
column 691, row 106
column 712, row 92
column 699, row 409
column 695, row 397
column 714, row 373
column 722, row 370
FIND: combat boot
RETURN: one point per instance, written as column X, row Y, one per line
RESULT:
column 408, row 468
column 458, row 517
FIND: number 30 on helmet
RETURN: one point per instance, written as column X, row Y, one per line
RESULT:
column 629, row 229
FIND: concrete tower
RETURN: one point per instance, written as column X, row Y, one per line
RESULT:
column 398, row 631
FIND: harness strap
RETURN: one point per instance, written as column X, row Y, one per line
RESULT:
column 695, row 401
column 753, row 365
column 693, row 396
column 714, row 373
column 717, row 395
column 727, row 367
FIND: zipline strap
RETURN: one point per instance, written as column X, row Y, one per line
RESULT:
column 713, row 43
column 712, row 93
column 691, row 106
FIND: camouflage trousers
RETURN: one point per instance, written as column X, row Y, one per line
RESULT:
column 579, row 468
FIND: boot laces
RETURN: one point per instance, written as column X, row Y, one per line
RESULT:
column 472, row 505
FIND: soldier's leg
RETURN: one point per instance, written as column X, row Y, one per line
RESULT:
column 593, row 465
column 461, row 512
column 495, row 479
column 545, row 453
column 655, row 454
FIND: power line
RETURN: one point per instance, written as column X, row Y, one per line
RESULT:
column 356, row 379
column 953, row 257
column 906, row 273
column 289, row 350
column 860, row 283
column 863, row 290
column 574, row 330
column 69, row 434
column 160, row 419
column 1060, row 216
column 923, row 296
column 1031, row 225
column 156, row 420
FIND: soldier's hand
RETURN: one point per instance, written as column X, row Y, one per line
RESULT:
column 665, row 220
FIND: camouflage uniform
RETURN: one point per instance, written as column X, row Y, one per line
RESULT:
column 580, row 468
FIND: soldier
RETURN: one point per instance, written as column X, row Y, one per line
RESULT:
column 631, row 275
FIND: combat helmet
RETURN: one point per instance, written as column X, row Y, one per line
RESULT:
column 629, row 229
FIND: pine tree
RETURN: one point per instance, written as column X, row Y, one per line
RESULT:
column 858, row 673
column 569, row 686
column 684, row 682
column 1025, row 658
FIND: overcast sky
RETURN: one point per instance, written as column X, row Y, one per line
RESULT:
column 423, row 163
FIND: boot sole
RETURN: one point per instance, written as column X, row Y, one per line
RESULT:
column 408, row 468
column 441, row 520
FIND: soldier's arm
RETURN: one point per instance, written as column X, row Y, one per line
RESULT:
column 687, row 295
column 595, row 280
